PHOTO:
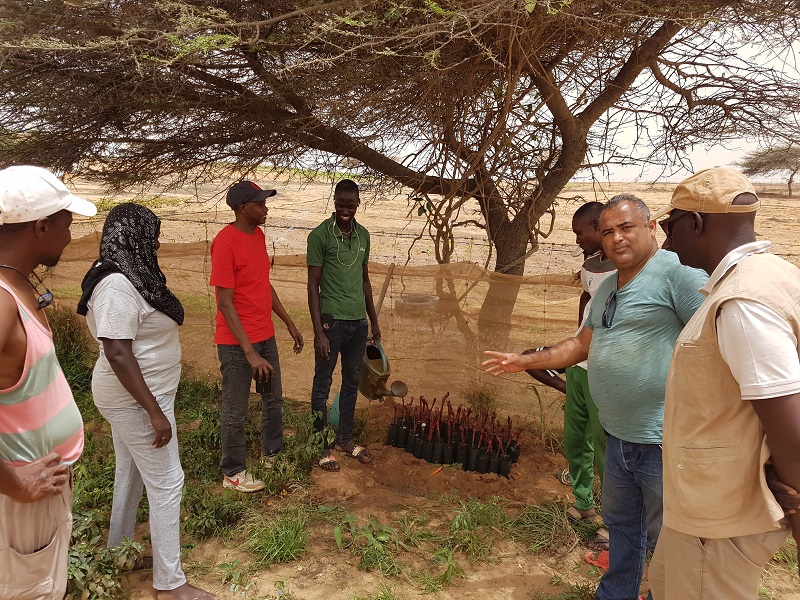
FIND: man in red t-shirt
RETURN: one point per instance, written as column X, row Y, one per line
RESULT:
column 245, row 335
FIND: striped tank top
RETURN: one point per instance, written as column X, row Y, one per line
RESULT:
column 38, row 415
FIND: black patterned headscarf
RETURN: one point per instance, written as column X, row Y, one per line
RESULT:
column 128, row 246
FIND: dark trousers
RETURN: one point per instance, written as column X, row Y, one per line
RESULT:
column 237, row 377
column 348, row 338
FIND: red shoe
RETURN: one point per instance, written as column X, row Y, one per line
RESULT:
column 598, row 559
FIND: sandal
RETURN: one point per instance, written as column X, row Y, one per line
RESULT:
column 328, row 463
column 577, row 514
column 357, row 452
column 563, row 477
column 598, row 559
column 599, row 541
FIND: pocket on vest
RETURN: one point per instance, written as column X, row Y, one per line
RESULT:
column 39, row 574
column 702, row 476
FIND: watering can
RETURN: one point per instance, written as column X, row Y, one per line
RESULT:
column 372, row 380
column 375, row 374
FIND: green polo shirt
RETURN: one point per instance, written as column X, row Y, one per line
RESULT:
column 341, row 289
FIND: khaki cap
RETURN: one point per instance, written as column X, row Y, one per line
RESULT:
column 711, row 191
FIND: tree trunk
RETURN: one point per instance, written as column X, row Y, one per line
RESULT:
column 494, row 320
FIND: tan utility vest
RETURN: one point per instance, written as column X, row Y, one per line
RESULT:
column 714, row 445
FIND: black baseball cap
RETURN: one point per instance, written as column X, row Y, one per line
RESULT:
column 246, row 191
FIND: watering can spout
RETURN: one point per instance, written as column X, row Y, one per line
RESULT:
column 375, row 373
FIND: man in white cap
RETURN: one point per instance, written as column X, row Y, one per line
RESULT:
column 41, row 430
column 732, row 407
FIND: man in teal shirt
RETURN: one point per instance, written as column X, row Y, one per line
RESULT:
column 633, row 323
column 340, row 300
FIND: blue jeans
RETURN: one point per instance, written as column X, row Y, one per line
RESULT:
column 632, row 506
column 348, row 338
column 237, row 377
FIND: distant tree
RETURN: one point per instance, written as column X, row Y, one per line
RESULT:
column 500, row 102
column 769, row 161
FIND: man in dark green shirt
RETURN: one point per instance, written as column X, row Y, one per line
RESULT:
column 340, row 300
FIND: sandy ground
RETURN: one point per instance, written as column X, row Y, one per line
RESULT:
column 429, row 350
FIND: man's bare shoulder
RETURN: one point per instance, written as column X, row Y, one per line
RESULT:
column 8, row 317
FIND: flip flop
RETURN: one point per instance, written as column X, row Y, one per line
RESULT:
column 328, row 463
column 563, row 477
column 358, row 452
column 599, row 541
column 598, row 559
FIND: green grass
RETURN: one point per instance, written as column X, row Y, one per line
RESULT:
column 586, row 591
column 383, row 593
column 376, row 544
column 277, row 539
column 480, row 396
column 543, row 528
column 786, row 557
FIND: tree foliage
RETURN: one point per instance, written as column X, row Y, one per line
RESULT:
column 496, row 101
column 770, row 161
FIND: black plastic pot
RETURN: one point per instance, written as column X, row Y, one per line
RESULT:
column 472, row 461
column 391, row 437
column 402, row 438
column 514, row 452
column 427, row 450
column 462, row 455
column 411, row 441
column 448, row 454
column 493, row 463
column 504, row 468
column 483, row 464
column 418, row 442
column 437, row 453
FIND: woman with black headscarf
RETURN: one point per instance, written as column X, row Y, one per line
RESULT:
column 135, row 318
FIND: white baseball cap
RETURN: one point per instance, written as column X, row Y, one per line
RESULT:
column 31, row 193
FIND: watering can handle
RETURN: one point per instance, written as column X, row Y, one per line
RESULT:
column 384, row 361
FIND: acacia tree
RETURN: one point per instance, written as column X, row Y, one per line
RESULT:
column 769, row 161
column 492, row 100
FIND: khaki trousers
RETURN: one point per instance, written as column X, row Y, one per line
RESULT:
column 34, row 547
column 685, row 567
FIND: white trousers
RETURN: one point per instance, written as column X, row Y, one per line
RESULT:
column 140, row 465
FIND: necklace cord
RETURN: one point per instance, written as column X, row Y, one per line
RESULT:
column 45, row 298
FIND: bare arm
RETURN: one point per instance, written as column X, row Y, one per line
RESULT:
column 373, row 316
column 277, row 308
column 261, row 368
column 558, row 356
column 125, row 366
column 584, row 300
column 543, row 376
column 321, row 344
column 780, row 418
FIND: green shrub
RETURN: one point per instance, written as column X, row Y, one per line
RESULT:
column 95, row 572
column 206, row 513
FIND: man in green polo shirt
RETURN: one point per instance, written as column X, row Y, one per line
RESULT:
column 340, row 300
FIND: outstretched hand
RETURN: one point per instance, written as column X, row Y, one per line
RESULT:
column 504, row 362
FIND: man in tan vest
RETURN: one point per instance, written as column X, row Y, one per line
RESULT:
column 733, row 399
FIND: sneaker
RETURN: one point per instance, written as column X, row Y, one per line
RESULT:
column 267, row 461
column 242, row 482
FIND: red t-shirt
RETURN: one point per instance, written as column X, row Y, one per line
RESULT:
column 239, row 261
